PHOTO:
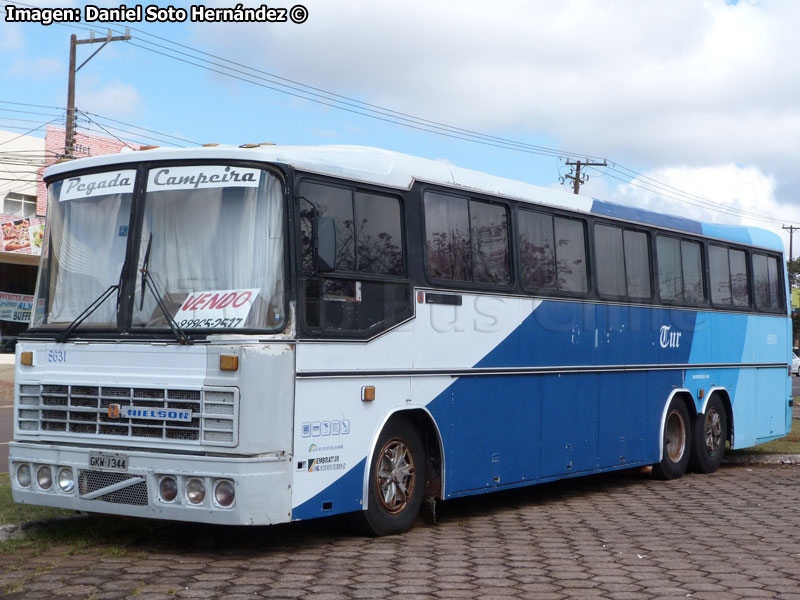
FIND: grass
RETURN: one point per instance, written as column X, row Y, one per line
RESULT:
column 10, row 512
column 786, row 445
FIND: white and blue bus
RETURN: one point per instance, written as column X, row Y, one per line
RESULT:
column 265, row 334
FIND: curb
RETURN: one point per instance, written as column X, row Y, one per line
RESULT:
column 762, row 459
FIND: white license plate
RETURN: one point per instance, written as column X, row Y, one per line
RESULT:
column 108, row 461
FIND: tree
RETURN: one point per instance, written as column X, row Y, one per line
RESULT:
column 793, row 266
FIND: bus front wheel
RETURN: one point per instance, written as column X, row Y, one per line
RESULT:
column 396, row 480
column 709, row 433
column 676, row 443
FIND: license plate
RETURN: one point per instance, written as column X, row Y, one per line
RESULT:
column 108, row 462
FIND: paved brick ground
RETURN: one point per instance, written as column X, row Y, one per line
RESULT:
column 735, row 534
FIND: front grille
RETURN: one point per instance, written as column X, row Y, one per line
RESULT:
column 91, row 481
column 83, row 410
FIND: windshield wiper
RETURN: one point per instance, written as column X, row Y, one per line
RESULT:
column 148, row 283
column 64, row 335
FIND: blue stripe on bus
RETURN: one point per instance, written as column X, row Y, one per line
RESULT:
column 610, row 209
column 344, row 495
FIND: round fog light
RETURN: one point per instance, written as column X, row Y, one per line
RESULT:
column 223, row 493
column 168, row 488
column 195, row 491
column 24, row 475
column 44, row 477
column 66, row 483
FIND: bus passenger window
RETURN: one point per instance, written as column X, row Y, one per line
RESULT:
column 739, row 287
column 692, row 263
column 766, row 285
column 552, row 253
column 720, row 275
column 447, row 237
column 609, row 258
column 489, row 240
column 680, row 271
column 623, row 262
column 328, row 201
column 379, row 241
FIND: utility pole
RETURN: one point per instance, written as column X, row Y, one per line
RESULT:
column 69, row 140
column 791, row 229
column 577, row 179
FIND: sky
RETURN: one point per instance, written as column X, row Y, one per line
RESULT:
column 694, row 103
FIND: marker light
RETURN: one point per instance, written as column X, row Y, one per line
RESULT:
column 168, row 488
column 224, row 493
column 195, row 491
column 368, row 393
column 66, row 483
column 24, row 475
column 26, row 358
column 44, row 478
column 228, row 362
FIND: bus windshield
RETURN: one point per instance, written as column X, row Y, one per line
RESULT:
column 212, row 239
column 84, row 252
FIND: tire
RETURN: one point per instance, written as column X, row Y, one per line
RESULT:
column 708, row 438
column 396, row 481
column 676, row 443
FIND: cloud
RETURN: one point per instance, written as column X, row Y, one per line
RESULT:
column 682, row 82
column 114, row 99
column 11, row 38
column 43, row 68
column 723, row 193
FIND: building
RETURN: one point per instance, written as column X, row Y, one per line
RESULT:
column 23, row 208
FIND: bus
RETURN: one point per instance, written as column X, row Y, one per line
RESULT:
column 263, row 334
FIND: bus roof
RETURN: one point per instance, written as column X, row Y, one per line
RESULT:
column 400, row 171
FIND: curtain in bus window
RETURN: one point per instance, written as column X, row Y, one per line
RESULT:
column 692, row 263
column 774, row 284
column 610, row 261
column 739, row 287
column 335, row 202
column 447, row 237
column 379, row 242
column 670, row 282
column 88, row 249
column 761, row 287
column 719, row 275
column 536, row 250
column 211, row 239
column 570, row 255
column 637, row 264
column 489, row 239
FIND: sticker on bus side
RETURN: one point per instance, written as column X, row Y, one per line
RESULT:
column 207, row 176
column 216, row 309
column 98, row 184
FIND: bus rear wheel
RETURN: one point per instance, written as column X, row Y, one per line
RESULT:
column 396, row 481
column 709, row 433
column 676, row 443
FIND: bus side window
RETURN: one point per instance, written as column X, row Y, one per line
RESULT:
column 766, row 285
column 467, row 240
column 680, row 271
column 369, row 242
column 552, row 252
column 729, row 281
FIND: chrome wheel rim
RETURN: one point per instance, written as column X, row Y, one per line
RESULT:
column 675, row 436
column 713, row 431
column 395, row 475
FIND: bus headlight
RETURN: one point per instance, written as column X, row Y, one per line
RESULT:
column 44, row 478
column 24, row 475
column 195, row 491
column 168, row 488
column 66, row 483
column 224, row 493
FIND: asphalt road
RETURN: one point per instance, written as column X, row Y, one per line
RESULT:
column 727, row 536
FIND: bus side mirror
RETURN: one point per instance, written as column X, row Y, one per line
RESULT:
column 326, row 244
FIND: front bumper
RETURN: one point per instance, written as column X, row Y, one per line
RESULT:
column 262, row 484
